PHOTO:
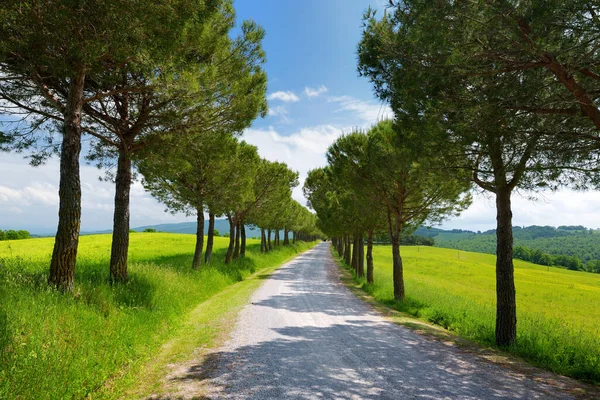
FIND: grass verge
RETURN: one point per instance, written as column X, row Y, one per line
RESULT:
column 557, row 309
column 94, row 342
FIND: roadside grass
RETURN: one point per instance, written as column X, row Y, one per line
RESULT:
column 91, row 342
column 558, row 322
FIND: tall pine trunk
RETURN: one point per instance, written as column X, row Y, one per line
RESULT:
column 269, row 240
column 506, row 306
column 347, row 250
column 199, row 239
column 211, row 238
column 120, row 236
column 263, row 241
column 370, row 257
column 355, row 254
column 286, row 239
column 361, row 256
column 243, row 238
column 229, row 254
column 395, row 228
column 236, row 249
column 64, row 254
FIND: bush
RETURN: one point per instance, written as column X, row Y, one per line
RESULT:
column 150, row 230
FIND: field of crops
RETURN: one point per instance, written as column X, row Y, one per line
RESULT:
column 558, row 310
column 56, row 345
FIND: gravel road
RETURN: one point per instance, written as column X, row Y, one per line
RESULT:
column 306, row 336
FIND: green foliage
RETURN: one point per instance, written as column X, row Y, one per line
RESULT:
column 14, row 235
column 150, row 230
column 76, row 345
column 557, row 318
column 575, row 248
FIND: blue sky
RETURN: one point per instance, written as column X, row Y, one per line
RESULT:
column 315, row 94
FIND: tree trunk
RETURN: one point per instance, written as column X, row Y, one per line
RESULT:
column 120, row 236
column 294, row 237
column 236, row 249
column 211, row 238
column 277, row 237
column 243, row 236
column 229, row 254
column 370, row 257
column 199, row 239
column 361, row 256
column 263, row 241
column 64, row 254
column 506, row 306
column 286, row 239
column 347, row 250
column 355, row 254
column 341, row 246
column 395, row 228
column 398, row 271
column 269, row 240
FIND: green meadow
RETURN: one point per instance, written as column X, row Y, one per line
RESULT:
column 558, row 310
column 93, row 342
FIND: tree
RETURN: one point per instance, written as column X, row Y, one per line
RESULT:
column 47, row 51
column 424, row 59
column 348, row 159
column 209, row 83
column 412, row 188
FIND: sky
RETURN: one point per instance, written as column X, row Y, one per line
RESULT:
column 314, row 95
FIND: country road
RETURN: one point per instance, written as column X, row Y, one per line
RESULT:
column 306, row 336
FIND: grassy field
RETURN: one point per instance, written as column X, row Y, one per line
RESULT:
column 92, row 342
column 558, row 310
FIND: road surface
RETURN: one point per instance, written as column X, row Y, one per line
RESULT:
column 306, row 336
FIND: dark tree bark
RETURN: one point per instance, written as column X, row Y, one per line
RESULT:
column 361, row 256
column 506, row 306
column 199, row 239
column 370, row 257
column 347, row 250
column 64, row 254
column 341, row 246
column 355, row 254
column 243, row 238
column 229, row 254
column 277, row 237
column 286, row 239
column 269, row 240
column 263, row 241
column 294, row 237
column 236, row 249
column 211, row 238
column 395, row 229
column 120, row 236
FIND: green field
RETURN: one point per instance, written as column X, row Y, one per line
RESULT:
column 92, row 342
column 558, row 310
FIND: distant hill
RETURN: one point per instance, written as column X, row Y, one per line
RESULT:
column 222, row 225
column 563, row 240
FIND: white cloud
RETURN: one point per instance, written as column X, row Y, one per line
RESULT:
column 29, row 198
column 281, row 112
column 284, row 96
column 312, row 92
column 369, row 112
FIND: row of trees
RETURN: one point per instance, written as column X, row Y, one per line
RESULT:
column 505, row 91
column 219, row 175
column 14, row 235
column 374, row 182
column 137, row 79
